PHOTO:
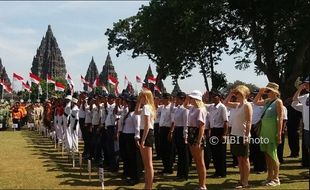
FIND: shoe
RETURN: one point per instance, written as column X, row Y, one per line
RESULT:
column 273, row 183
column 218, row 176
column 265, row 182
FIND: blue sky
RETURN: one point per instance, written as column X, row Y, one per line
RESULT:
column 79, row 28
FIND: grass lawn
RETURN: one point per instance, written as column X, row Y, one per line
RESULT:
column 30, row 161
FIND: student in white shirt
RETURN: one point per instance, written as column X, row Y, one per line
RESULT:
column 158, row 105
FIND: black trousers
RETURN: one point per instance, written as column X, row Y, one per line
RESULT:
column 122, row 149
column 97, row 145
column 157, row 140
column 256, row 155
column 17, row 121
column 219, row 152
column 83, row 130
column 166, row 149
column 280, row 149
column 110, row 145
column 182, row 151
column 293, row 138
column 305, row 152
column 132, row 158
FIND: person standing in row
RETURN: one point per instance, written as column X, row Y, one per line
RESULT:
column 178, row 133
column 17, row 115
column 218, row 123
column 158, row 106
column 271, row 129
column 67, row 113
column 146, row 139
column 74, row 126
column 166, row 145
column 240, row 131
column 196, row 126
column 82, row 115
column 89, row 151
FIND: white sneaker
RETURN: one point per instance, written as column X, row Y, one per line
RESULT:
column 266, row 181
column 274, row 183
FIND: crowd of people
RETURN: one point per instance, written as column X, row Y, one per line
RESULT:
column 195, row 126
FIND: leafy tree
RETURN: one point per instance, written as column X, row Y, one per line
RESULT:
column 230, row 86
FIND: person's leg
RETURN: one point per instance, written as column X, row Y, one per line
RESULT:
column 198, row 156
column 269, row 167
column 240, row 169
column 148, row 166
column 245, row 170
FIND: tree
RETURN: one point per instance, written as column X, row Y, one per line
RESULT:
column 277, row 33
column 230, row 86
column 176, row 35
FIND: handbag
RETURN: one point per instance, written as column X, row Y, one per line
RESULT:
column 258, row 125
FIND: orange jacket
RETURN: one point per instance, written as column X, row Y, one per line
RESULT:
column 17, row 114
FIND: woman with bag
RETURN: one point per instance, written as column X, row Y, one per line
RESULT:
column 271, row 129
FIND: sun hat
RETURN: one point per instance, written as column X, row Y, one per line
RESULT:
column 74, row 100
column 196, row 94
column 273, row 87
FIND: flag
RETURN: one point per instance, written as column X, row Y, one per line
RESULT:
column 89, row 88
column 84, row 81
column 70, row 82
column 157, row 89
column 26, row 87
column 113, row 81
column 96, row 82
column 104, row 88
column 17, row 77
column 144, row 87
column 59, row 86
column 7, row 87
column 34, row 78
column 50, row 80
column 116, row 89
column 151, row 80
column 138, row 79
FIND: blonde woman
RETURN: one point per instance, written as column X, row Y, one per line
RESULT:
column 196, row 126
column 146, row 108
column 271, row 129
column 240, row 131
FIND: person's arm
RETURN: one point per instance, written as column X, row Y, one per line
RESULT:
column 147, row 123
column 225, row 119
column 138, row 108
column 297, row 93
column 258, row 98
column 248, row 119
column 185, row 120
column 279, row 109
column 137, row 121
column 227, row 101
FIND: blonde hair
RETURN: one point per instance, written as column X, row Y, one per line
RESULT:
column 149, row 100
column 242, row 89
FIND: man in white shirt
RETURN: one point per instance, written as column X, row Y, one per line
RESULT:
column 301, row 103
column 218, row 122
column 82, row 114
column 166, row 145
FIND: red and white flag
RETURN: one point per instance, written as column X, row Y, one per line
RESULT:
column 113, row 81
column 138, row 79
column 84, row 81
column 34, row 78
column 26, row 87
column 17, row 77
column 116, row 90
column 7, row 87
column 144, row 87
column 50, row 80
column 157, row 89
column 69, row 80
column 96, row 82
column 104, row 88
column 151, row 80
column 59, row 86
column 89, row 88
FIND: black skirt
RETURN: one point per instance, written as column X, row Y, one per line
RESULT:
column 149, row 141
column 193, row 133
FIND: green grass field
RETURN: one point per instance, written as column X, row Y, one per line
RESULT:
column 30, row 161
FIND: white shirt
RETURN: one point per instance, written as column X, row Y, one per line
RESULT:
column 257, row 112
column 217, row 115
column 166, row 116
column 95, row 115
column 131, row 124
column 158, row 113
column 110, row 117
column 82, row 113
column 195, row 115
column 180, row 118
column 303, row 106
column 88, row 115
column 74, row 116
column 120, row 122
column 238, row 122
column 146, row 111
column 103, row 114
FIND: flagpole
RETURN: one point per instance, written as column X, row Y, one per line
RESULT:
column 47, row 87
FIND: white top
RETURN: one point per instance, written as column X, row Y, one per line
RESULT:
column 303, row 106
column 238, row 122
column 88, row 115
column 284, row 113
column 122, row 115
column 217, row 115
column 110, row 117
column 131, row 124
column 257, row 112
column 103, row 114
column 146, row 111
column 158, row 113
column 231, row 116
column 74, row 116
column 195, row 115
column 166, row 116
column 95, row 115
column 180, row 118
column 82, row 113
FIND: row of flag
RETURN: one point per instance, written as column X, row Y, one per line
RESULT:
column 61, row 87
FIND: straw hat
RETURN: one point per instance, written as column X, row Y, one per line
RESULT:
column 196, row 94
column 273, row 87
